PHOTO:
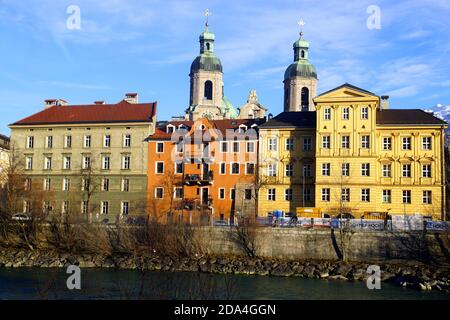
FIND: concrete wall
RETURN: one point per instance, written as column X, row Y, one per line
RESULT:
column 322, row 244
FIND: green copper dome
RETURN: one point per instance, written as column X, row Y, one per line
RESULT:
column 228, row 108
column 302, row 69
column 206, row 62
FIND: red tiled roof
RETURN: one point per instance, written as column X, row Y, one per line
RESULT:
column 94, row 113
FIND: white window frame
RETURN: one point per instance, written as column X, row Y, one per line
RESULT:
column 427, row 197
column 157, row 147
column 127, row 140
column 326, row 169
column 126, row 162
column 426, row 170
column 327, row 113
column 345, row 194
column 68, row 141
column 104, row 209
column 246, row 168
column 365, row 113
column 271, row 194
column 47, row 184
column 306, row 170
column 387, row 143
column 272, row 170
column 124, row 205
column 107, row 141
column 238, row 166
column 365, row 169
column 30, row 142
column 250, row 143
column 386, row 170
column 406, row 168
column 406, row 196
column 67, row 162
column 106, row 162
column 236, row 147
column 406, row 141
column 288, row 194
column 307, row 144
column 345, row 142
column 66, row 184
column 219, row 194
column 386, row 196
column 273, row 144
column 289, row 170
column 156, row 167
column 289, row 144
column 87, row 141
column 365, row 141
column 427, row 143
column 325, row 194
column 222, row 145
column 125, row 185
column 48, row 163
column 29, row 163
column 106, row 184
column 49, row 142
column 326, row 142
column 222, row 165
column 345, row 169
column 86, row 162
column 365, row 195
column 156, row 193
column 345, row 113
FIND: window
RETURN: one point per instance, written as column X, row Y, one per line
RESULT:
column 85, row 184
column 159, row 193
column 178, row 193
column 406, row 170
column 426, row 197
column 289, row 144
column 248, row 194
column 107, row 141
column 235, row 168
column 49, row 142
column 208, row 92
column 180, row 146
column 47, row 184
column 30, row 142
column 272, row 144
column 345, row 142
column 289, row 170
column 307, row 170
column 106, row 163
column 68, row 142
column 224, row 146
column 365, row 142
column 87, row 141
column 426, row 143
column 406, row 196
column 272, row 170
column 232, row 194
column 160, row 147
column 65, row 207
column 345, row 113
column 126, row 162
column 84, row 207
column 386, row 170
column 105, row 207
column 179, row 167
column 250, row 147
column 365, row 113
column 271, row 195
column 28, row 184
column 26, row 207
column 345, row 169
column 67, row 163
column 386, row 196
column 125, row 207
column 221, row 193
column 29, row 163
column 327, row 114
column 105, row 184
column 387, row 143
column 326, row 169
column 127, row 141
column 46, row 207
column 250, row 168
column 406, row 143
column 159, row 167
column 345, row 194
column 365, row 195
column 307, row 144
column 365, row 169
column 66, row 184
column 235, row 147
column 426, row 171
column 304, row 94
column 48, row 163
column 86, row 162
column 326, row 194
column 307, row 194
column 288, row 194
column 125, row 185
column 326, row 142
column 223, row 168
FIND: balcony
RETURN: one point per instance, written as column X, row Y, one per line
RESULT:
column 197, row 204
column 197, row 179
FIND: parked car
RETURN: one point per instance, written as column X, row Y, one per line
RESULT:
column 221, row 223
column 21, row 217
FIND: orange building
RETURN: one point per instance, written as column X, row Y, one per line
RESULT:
column 204, row 170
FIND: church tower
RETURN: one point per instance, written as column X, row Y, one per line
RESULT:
column 207, row 99
column 300, row 79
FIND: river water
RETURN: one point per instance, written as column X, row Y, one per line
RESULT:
column 37, row 283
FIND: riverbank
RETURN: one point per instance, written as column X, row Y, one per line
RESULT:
column 414, row 276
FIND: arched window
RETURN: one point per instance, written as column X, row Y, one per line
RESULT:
column 305, row 99
column 208, row 46
column 303, row 54
column 208, row 90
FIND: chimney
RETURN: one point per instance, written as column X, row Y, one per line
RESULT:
column 384, row 102
column 132, row 97
column 99, row 102
column 48, row 103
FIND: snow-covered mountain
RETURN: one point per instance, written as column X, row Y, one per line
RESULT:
column 441, row 111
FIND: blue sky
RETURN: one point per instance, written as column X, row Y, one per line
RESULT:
column 147, row 46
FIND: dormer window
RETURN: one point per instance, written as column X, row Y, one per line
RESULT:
column 242, row 128
column 182, row 126
column 170, row 128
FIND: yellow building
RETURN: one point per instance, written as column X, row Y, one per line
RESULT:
column 368, row 158
column 373, row 159
column 287, row 162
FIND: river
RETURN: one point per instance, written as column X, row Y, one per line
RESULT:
column 37, row 283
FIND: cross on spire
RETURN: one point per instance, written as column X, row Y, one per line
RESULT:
column 301, row 23
column 207, row 15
